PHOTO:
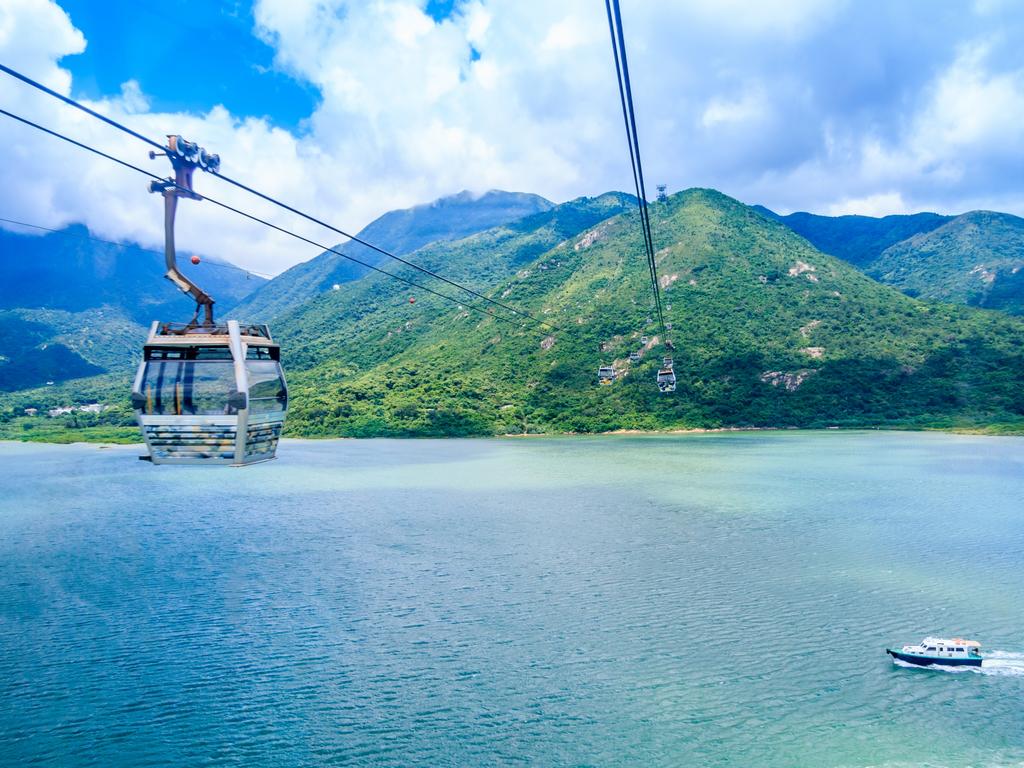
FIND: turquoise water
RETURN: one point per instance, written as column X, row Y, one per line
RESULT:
column 692, row 600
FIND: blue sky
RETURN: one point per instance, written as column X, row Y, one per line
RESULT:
column 204, row 37
column 351, row 108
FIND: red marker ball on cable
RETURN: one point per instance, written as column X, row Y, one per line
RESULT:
column 195, row 259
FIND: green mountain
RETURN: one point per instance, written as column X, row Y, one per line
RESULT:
column 975, row 259
column 768, row 332
column 69, row 271
column 400, row 232
column 856, row 239
column 73, row 306
column 50, row 345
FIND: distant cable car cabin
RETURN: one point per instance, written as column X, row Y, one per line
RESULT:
column 634, row 357
column 643, row 340
column 605, row 375
column 666, row 380
column 206, row 392
column 667, row 376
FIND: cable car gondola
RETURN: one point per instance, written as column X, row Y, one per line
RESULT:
column 605, row 375
column 667, row 376
column 666, row 380
column 634, row 357
column 206, row 392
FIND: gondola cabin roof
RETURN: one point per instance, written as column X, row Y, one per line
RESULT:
column 177, row 334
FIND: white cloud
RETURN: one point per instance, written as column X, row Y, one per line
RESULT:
column 800, row 104
column 972, row 106
column 564, row 35
column 34, row 35
column 133, row 100
column 765, row 19
column 961, row 149
column 883, row 204
column 745, row 109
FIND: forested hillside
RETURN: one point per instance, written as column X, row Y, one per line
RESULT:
column 975, row 259
column 857, row 239
column 768, row 332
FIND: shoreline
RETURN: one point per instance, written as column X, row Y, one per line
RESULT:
column 993, row 430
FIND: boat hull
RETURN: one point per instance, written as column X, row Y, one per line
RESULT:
column 928, row 661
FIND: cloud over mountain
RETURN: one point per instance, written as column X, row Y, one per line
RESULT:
column 819, row 104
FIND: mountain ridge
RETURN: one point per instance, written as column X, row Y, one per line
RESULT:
column 855, row 238
column 975, row 258
column 400, row 232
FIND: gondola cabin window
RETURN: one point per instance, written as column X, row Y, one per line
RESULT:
column 188, row 387
column 267, row 390
column 194, row 381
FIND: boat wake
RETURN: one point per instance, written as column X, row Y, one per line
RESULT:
column 1002, row 663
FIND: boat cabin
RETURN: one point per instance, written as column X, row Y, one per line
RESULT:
column 940, row 648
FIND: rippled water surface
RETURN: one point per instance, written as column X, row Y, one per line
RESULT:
column 694, row 600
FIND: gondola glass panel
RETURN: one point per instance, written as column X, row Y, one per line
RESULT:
column 267, row 391
column 188, row 387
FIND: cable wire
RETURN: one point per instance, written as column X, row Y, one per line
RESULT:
column 76, row 105
column 257, row 219
column 71, row 102
column 629, row 118
column 632, row 156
